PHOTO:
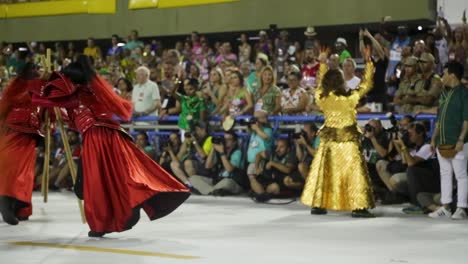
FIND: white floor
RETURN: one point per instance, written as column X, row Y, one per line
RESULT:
column 235, row 230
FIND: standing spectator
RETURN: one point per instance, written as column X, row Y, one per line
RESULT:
column 268, row 96
column 114, row 49
column 311, row 41
column 133, row 41
column 419, row 48
column 349, row 69
column 125, row 88
column 92, row 50
column 334, row 62
column 441, row 36
column 145, row 95
column 310, row 69
column 432, row 84
column 226, row 54
column 237, row 100
column 244, row 49
column 294, row 99
column 399, row 42
column 264, row 44
column 450, row 138
column 406, row 95
column 214, row 91
column 254, row 77
column 341, row 46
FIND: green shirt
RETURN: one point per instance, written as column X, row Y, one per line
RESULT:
column 267, row 101
column 453, row 111
column 191, row 107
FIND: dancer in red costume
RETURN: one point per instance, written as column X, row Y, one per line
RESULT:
column 119, row 179
column 19, row 130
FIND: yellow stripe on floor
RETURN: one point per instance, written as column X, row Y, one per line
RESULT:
column 106, row 250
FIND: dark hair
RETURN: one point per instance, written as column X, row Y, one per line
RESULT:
column 296, row 74
column 144, row 135
column 419, row 128
column 194, row 82
column 455, row 68
column 233, row 134
column 81, row 71
column 312, row 125
column 28, row 71
column 135, row 31
column 127, row 82
column 333, row 81
column 115, row 36
column 410, row 118
column 240, row 76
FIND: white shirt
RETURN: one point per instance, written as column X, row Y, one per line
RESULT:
column 424, row 152
column 144, row 95
column 352, row 83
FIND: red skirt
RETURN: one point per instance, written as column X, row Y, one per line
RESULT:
column 119, row 179
column 17, row 161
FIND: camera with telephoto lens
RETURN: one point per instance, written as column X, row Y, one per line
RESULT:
column 248, row 122
column 218, row 140
column 297, row 135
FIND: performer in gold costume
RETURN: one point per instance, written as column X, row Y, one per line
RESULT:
column 338, row 178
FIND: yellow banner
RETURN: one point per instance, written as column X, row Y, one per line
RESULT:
column 53, row 8
column 141, row 4
column 182, row 3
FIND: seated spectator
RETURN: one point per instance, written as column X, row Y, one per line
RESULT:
column 294, row 99
column 306, row 145
column 224, row 163
column 277, row 173
column 253, row 82
column 142, row 142
column 268, row 95
column 60, row 175
column 237, row 100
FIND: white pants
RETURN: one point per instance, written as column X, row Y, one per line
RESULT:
column 457, row 165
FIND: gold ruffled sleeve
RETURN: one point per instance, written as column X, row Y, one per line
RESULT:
column 322, row 70
column 367, row 82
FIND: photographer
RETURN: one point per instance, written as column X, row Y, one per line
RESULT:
column 261, row 140
column 142, row 142
column 192, row 155
column 375, row 145
column 306, row 144
column 170, row 149
column 422, row 173
column 393, row 163
column 225, row 166
column 276, row 173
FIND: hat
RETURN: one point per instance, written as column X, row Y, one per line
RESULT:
column 262, row 56
column 284, row 33
column 426, row 57
column 342, row 41
column 410, row 61
column 262, row 32
column 310, row 31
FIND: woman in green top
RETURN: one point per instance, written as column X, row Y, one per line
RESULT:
column 193, row 106
column 268, row 96
column 253, row 81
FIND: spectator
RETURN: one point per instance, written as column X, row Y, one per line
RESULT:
column 60, row 171
column 419, row 48
column 264, row 44
column 169, row 151
column 226, row 53
column 399, row 42
column 145, row 95
column 92, row 50
column 254, row 77
column 406, row 95
column 432, row 84
column 133, row 41
column 214, row 91
column 341, row 46
column 349, row 68
column 294, row 99
column 334, row 62
column 237, row 100
column 310, row 69
column 451, row 141
column 114, row 49
column 268, row 96
column 311, row 41
column 244, row 49
column 225, row 165
column 125, row 88
column 142, row 142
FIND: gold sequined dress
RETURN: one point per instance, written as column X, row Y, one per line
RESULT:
column 338, row 178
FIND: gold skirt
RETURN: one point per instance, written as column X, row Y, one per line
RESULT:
column 338, row 178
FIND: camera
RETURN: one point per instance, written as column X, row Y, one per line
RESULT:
column 217, row 140
column 248, row 122
column 368, row 128
column 297, row 135
column 406, row 139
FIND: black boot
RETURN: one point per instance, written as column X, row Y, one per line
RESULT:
column 6, row 209
column 362, row 213
column 318, row 211
column 96, row 234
